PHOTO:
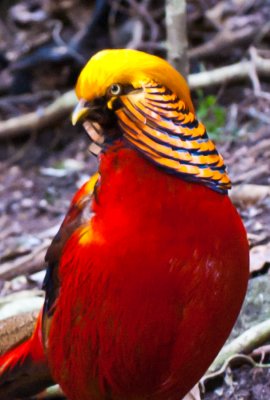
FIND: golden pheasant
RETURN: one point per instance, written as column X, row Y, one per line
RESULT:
column 149, row 269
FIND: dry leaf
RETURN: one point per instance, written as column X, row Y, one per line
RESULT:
column 249, row 193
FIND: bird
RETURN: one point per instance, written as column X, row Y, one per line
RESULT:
column 149, row 269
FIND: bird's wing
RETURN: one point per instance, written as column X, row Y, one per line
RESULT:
column 78, row 214
column 23, row 369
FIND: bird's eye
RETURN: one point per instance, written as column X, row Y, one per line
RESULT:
column 115, row 89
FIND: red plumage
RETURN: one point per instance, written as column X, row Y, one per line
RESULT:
column 118, row 314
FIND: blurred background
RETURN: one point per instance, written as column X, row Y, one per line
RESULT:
column 43, row 159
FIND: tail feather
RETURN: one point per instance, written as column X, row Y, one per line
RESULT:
column 24, row 370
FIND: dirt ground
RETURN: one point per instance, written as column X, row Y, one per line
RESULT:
column 244, row 383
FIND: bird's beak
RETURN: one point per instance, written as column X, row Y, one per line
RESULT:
column 80, row 111
column 83, row 110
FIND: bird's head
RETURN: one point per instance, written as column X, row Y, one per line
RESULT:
column 140, row 98
column 111, row 74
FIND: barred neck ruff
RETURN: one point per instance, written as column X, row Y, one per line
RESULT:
column 160, row 126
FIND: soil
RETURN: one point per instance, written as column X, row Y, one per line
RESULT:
column 244, row 383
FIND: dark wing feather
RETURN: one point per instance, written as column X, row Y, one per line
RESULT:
column 23, row 368
column 78, row 214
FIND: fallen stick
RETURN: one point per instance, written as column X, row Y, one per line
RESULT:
column 40, row 118
column 234, row 72
column 245, row 343
column 27, row 264
column 16, row 329
column 222, row 41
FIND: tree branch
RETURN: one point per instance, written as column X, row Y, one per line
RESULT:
column 245, row 343
column 40, row 118
column 177, row 35
column 234, row 72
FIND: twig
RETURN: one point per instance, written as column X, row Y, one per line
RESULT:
column 234, row 360
column 27, row 264
column 252, row 174
column 261, row 352
column 234, row 72
column 254, row 76
column 245, row 343
column 141, row 11
column 56, row 35
column 224, row 40
column 137, row 35
column 257, row 114
column 253, row 73
column 16, row 329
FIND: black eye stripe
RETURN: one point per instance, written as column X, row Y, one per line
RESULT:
column 117, row 104
column 127, row 89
